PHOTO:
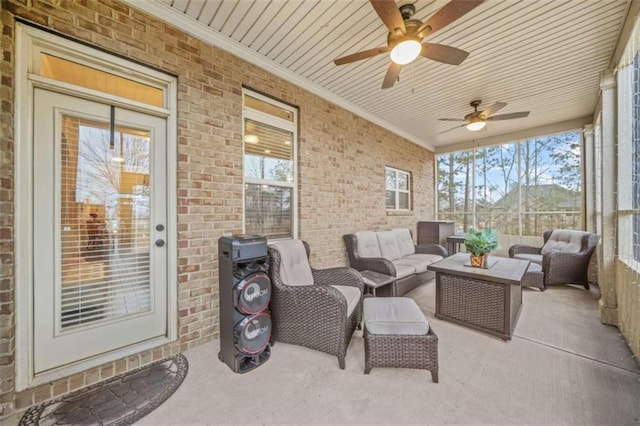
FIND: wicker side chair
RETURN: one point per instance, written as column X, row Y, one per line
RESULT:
column 564, row 257
column 316, row 308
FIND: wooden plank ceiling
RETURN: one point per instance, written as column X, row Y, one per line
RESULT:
column 539, row 56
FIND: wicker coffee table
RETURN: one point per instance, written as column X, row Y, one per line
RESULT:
column 484, row 299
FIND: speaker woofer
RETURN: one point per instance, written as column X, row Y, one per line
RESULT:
column 252, row 294
column 252, row 334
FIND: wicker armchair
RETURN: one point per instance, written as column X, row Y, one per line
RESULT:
column 319, row 309
column 564, row 257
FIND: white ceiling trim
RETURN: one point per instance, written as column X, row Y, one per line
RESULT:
column 205, row 33
column 535, row 132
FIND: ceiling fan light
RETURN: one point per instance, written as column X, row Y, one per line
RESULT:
column 406, row 51
column 476, row 124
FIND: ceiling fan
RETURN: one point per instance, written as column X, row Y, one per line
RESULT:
column 477, row 120
column 406, row 34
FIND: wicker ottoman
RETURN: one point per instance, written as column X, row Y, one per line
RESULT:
column 534, row 277
column 396, row 334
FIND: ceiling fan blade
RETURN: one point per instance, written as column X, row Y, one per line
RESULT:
column 451, row 129
column 388, row 11
column 492, row 109
column 392, row 75
column 444, row 54
column 510, row 116
column 361, row 55
column 446, row 15
column 451, row 119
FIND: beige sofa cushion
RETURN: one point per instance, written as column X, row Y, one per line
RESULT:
column 403, row 270
column 419, row 261
column 388, row 245
column 294, row 267
column 368, row 244
column 563, row 240
column 405, row 242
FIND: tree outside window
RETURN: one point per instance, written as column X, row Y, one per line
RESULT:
column 521, row 188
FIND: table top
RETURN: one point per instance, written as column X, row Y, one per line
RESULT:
column 458, row 238
column 504, row 271
column 376, row 279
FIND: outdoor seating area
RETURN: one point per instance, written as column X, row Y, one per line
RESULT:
column 320, row 212
column 393, row 253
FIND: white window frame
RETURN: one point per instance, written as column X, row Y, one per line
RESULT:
column 625, row 160
column 280, row 123
column 30, row 42
column 397, row 190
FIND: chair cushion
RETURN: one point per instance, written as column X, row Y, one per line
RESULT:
column 419, row 261
column 368, row 244
column 405, row 242
column 352, row 294
column 388, row 245
column 394, row 315
column 294, row 267
column 403, row 270
column 564, row 240
column 534, row 258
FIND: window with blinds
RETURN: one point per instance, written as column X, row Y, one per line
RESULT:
column 103, row 222
column 270, row 135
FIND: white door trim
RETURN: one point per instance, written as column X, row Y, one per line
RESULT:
column 29, row 42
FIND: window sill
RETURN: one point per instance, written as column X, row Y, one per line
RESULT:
column 399, row 213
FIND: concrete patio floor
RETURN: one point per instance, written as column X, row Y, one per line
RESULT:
column 562, row 367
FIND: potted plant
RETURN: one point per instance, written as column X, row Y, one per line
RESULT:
column 479, row 244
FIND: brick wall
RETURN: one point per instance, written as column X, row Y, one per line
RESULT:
column 341, row 168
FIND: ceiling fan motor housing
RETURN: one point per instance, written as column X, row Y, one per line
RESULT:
column 412, row 26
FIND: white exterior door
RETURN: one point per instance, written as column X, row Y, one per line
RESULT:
column 99, row 229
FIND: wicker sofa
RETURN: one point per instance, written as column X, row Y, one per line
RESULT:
column 393, row 253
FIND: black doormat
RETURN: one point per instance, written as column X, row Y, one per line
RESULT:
column 120, row 400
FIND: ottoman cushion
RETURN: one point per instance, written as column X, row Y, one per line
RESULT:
column 394, row 315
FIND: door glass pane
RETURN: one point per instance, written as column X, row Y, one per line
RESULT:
column 104, row 222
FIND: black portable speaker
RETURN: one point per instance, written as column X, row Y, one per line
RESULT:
column 245, row 291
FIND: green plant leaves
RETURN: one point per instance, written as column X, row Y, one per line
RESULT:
column 480, row 242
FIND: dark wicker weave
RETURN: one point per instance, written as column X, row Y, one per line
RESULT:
column 384, row 266
column 314, row 316
column 401, row 351
column 473, row 302
column 561, row 267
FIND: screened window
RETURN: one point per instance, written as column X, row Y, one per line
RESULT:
column 398, row 189
column 521, row 188
column 270, row 137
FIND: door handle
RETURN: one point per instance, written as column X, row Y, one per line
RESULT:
column 159, row 228
column 159, row 243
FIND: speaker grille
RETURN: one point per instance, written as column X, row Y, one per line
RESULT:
column 252, row 333
column 252, row 294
